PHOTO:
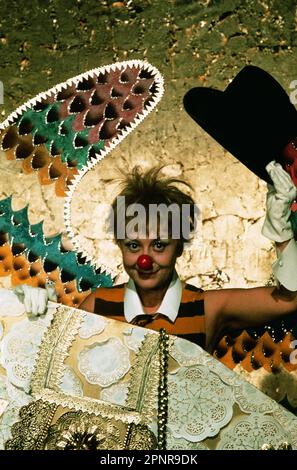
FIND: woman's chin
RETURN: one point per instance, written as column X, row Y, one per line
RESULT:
column 147, row 280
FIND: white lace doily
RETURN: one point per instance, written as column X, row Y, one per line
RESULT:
column 18, row 349
column 250, row 400
column 92, row 325
column 251, row 432
column 16, row 399
column 71, row 384
column 182, row 444
column 185, row 352
column 133, row 337
column 289, row 423
column 114, row 362
column 116, row 394
column 200, row 404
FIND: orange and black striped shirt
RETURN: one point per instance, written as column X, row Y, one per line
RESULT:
column 190, row 321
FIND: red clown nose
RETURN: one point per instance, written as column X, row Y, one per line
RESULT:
column 144, row 262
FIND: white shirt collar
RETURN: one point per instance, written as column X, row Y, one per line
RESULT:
column 169, row 306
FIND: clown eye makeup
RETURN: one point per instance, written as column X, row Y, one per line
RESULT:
column 159, row 245
column 132, row 245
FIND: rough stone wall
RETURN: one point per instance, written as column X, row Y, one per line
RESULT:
column 193, row 43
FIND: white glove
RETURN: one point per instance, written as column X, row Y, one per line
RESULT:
column 285, row 267
column 277, row 226
column 35, row 299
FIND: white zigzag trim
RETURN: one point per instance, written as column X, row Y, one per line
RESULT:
column 74, row 80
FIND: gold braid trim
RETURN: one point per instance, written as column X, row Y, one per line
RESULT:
column 91, row 405
column 50, row 366
column 143, row 387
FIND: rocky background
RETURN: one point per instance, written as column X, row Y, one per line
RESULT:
column 193, row 43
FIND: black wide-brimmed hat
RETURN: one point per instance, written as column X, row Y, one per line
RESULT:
column 253, row 118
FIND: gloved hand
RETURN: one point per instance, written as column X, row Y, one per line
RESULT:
column 277, row 225
column 35, row 299
column 280, row 195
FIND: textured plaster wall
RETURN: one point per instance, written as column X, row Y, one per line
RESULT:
column 193, row 43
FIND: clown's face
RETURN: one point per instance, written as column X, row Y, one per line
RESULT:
column 290, row 159
column 163, row 254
